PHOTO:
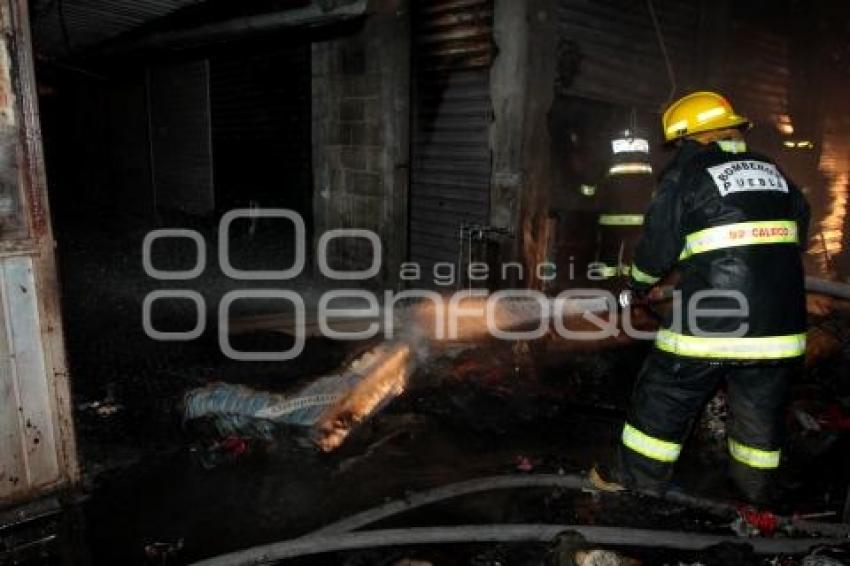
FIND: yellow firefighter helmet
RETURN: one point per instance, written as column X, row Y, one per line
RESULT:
column 700, row 112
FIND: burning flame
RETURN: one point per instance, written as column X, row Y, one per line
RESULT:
column 381, row 374
column 384, row 379
column 834, row 165
column 832, row 226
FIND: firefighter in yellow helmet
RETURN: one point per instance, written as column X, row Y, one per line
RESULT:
column 700, row 113
column 734, row 226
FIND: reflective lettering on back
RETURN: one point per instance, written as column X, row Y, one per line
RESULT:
column 747, row 175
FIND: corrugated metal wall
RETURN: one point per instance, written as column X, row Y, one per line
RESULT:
column 450, row 154
column 759, row 81
column 608, row 49
column 76, row 24
column 181, row 145
column 131, row 187
column 37, row 442
column 27, row 441
column 261, row 127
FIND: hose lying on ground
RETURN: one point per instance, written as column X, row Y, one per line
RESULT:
column 501, row 533
column 437, row 494
column 826, row 287
column 834, row 289
column 576, row 482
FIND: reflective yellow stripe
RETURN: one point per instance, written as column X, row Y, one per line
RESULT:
column 732, row 146
column 740, row 234
column 612, row 270
column 609, row 271
column 754, row 457
column 653, row 448
column 630, row 169
column 621, row 219
column 642, row 276
column 745, row 348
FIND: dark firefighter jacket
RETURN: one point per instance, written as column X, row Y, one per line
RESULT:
column 730, row 221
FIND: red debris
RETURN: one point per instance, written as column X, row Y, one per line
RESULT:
column 834, row 419
column 233, row 445
column 523, row 464
column 764, row 521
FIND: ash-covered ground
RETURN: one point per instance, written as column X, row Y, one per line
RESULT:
column 470, row 411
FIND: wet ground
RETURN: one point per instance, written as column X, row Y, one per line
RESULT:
column 153, row 496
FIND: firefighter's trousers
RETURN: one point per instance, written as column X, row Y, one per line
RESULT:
column 669, row 395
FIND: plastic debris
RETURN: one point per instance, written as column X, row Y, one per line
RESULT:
column 105, row 407
column 523, row 464
column 326, row 409
column 826, row 557
column 753, row 522
column 807, row 422
column 162, row 552
column 228, row 450
column 602, row 558
column 834, row 418
column 572, row 549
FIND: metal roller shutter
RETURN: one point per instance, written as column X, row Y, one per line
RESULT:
column 261, row 128
column 615, row 52
column 180, row 137
column 450, row 176
column 759, row 82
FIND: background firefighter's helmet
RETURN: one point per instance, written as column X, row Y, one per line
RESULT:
column 700, row 112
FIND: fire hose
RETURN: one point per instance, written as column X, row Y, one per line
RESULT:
column 466, row 534
column 826, row 287
column 575, row 482
column 338, row 536
column 833, row 289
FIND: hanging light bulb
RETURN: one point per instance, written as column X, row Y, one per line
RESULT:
column 784, row 124
column 630, row 155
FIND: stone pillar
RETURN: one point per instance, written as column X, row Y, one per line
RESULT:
column 361, row 94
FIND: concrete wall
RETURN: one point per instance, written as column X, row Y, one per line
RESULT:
column 522, row 88
column 361, row 97
column 361, row 94
column 508, row 77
